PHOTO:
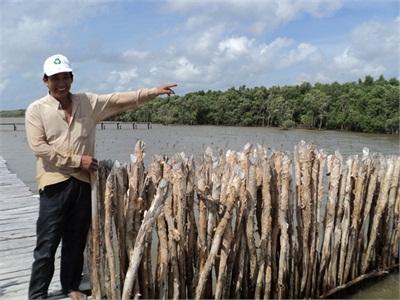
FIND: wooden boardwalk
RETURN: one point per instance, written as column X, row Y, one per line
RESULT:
column 18, row 214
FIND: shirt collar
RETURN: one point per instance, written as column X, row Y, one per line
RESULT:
column 56, row 104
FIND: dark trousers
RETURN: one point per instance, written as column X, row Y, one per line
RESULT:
column 64, row 214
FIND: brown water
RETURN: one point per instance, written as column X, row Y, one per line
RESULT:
column 166, row 140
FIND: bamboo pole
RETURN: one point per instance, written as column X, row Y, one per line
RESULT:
column 251, row 223
column 94, row 240
column 112, row 251
column 284, row 225
column 305, row 155
column 263, row 287
column 318, row 231
column 173, row 237
column 225, row 250
column 217, row 238
column 333, row 266
column 151, row 182
column 134, row 205
column 381, row 205
column 298, row 233
column 135, row 256
column 179, row 194
column 203, row 192
column 240, row 245
column 350, row 270
column 237, row 225
column 345, row 223
column 334, row 164
column 161, row 277
column 313, row 220
column 191, row 234
column 365, row 211
column 213, row 198
column 121, row 185
column 104, row 171
column 394, row 181
column 395, row 244
column 161, row 281
column 366, row 220
column 236, row 257
column 221, row 181
column 96, row 259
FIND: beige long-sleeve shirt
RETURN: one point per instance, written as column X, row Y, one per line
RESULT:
column 59, row 146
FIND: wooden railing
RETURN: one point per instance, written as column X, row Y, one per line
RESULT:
column 120, row 125
column 13, row 124
column 103, row 125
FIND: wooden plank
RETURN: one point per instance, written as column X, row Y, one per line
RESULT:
column 18, row 215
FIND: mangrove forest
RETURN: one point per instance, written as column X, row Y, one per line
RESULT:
column 368, row 105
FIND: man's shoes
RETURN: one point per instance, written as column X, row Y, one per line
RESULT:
column 77, row 295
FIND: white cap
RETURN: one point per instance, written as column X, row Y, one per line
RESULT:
column 56, row 64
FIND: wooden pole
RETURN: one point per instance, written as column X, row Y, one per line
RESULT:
column 114, row 291
column 191, row 233
column 334, row 165
column 318, row 230
column 394, row 181
column 284, row 226
column 94, row 240
column 136, row 255
column 305, row 155
column 263, row 287
column 345, row 223
column 381, row 205
column 251, row 230
column 217, row 238
column 179, row 194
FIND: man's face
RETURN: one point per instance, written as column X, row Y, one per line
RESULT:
column 59, row 85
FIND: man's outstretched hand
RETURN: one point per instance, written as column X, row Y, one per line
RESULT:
column 89, row 163
column 166, row 89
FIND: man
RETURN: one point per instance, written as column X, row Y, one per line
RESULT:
column 60, row 129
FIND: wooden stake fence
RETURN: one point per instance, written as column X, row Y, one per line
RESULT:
column 250, row 224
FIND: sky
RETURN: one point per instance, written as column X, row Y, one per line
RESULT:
column 198, row 44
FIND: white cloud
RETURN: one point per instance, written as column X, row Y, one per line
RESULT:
column 303, row 52
column 269, row 51
column 31, row 31
column 346, row 61
column 373, row 47
column 259, row 15
column 122, row 80
column 377, row 41
column 230, row 61
column 185, row 70
column 206, row 40
column 234, row 47
column 3, row 84
column 134, row 54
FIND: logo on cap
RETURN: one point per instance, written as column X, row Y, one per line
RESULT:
column 57, row 61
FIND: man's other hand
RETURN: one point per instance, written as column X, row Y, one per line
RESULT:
column 88, row 163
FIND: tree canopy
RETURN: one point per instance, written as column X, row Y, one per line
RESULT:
column 366, row 106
